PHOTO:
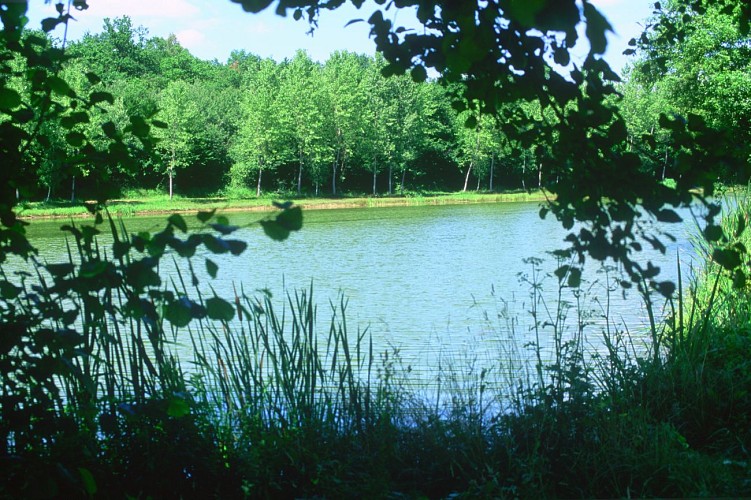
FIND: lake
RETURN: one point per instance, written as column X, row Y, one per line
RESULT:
column 439, row 284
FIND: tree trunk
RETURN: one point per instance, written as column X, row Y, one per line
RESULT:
column 171, row 173
column 333, row 173
column 299, row 175
column 478, row 183
column 492, row 167
column 466, row 177
column 49, row 193
column 391, row 175
column 404, row 179
column 258, row 186
column 375, row 173
column 73, row 189
column 665, row 164
column 539, row 176
column 524, row 172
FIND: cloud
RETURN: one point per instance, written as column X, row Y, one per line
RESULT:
column 258, row 28
column 145, row 8
column 190, row 38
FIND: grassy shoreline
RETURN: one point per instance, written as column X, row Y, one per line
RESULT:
column 156, row 204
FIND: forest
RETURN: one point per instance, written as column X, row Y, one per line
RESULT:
column 300, row 127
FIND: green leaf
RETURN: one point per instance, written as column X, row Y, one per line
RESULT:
column 419, row 74
column 59, row 270
column 574, row 277
column 211, row 268
column 73, row 119
column 109, row 130
column 224, row 229
column 75, row 139
column 214, row 244
column 141, row 274
column 178, row 221
column 282, row 205
column 9, row 99
column 291, row 218
column 729, row 259
column 561, row 272
column 274, row 230
column 93, row 78
column 60, row 86
column 87, row 478
column 597, row 28
column 178, row 407
column 8, row 290
column 178, row 312
column 667, row 215
column 50, row 23
column 205, row 216
column 665, row 288
column 139, row 127
column 219, row 309
column 236, row 247
column 739, row 279
column 97, row 97
column 741, row 227
column 713, row 233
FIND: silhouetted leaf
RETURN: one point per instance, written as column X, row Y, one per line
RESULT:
column 9, row 99
column 224, row 229
column 665, row 288
column 667, row 215
column 8, row 290
column 178, row 312
column 274, row 230
column 211, row 268
column 574, row 277
column 219, row 309
column 727, row 258
column 178, row 221
column 205, row 216
column 713, row 233
column 236, row 247
column 739, row 279
column 97, row 97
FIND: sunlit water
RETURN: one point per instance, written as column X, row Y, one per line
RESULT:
column 440, row 284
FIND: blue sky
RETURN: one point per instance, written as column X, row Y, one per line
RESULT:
column 211, row 29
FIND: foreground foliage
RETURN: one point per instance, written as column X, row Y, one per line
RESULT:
column 98, row 396
column 95, row 399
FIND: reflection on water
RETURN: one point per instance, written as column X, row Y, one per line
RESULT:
column 436, row 282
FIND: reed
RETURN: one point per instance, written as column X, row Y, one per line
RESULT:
column 98, row 394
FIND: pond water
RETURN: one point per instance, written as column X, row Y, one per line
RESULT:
column 437, row 283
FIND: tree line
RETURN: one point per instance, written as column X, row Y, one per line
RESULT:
column 252, row 125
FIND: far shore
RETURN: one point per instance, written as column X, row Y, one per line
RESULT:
column 158, row 205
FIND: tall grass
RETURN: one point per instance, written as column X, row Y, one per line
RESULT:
column 99, row 398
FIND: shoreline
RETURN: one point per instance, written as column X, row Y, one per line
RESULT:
column 151, row 207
